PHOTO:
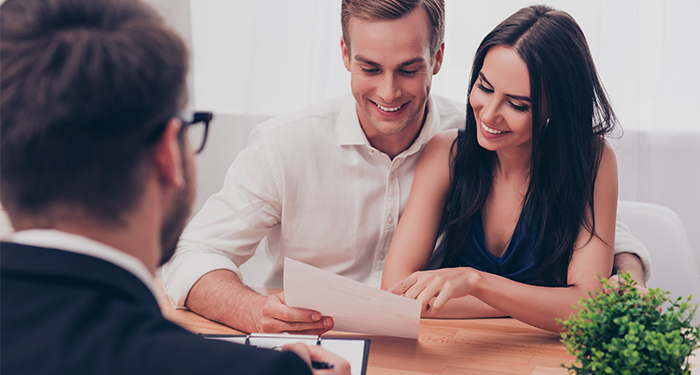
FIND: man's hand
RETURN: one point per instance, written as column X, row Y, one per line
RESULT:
column 614, row 280
column 338, row 365
column 222, row 297
column 276, row 316
column 629, row 262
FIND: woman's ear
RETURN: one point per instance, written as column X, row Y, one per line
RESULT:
column 546, row 123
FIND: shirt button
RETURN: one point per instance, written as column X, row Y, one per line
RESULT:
column 389, row 218
column 382, row 255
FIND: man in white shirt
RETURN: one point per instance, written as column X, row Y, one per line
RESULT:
column 325, row 185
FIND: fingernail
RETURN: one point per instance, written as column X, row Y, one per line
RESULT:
column 315, row 316
column 327, row 323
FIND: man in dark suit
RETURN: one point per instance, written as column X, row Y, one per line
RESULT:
column 96, row 175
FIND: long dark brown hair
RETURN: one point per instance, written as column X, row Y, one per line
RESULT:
column 566, row 152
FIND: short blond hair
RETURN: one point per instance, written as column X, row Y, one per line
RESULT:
column 395, row 9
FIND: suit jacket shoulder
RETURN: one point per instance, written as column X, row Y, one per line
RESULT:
column 67, row 313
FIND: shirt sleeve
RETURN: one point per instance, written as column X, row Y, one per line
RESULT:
column 227, row 230
column 5, row 225
column 625, row 242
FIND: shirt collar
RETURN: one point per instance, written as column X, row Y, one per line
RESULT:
column 350, row 132
column 430, row 128
column 55, row 239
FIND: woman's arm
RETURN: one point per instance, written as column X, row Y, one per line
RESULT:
column 538, row 306
column 417, row 231
column 465, row 307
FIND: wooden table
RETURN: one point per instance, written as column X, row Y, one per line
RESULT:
column 444, row 346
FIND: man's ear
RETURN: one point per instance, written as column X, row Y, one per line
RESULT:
column 439, row 55
column 167, row 155
column 346, row 53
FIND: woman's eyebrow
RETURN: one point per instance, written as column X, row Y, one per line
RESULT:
column 516, row 97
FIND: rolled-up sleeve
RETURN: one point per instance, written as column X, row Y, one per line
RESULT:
column 227, row 230
column 625, row 242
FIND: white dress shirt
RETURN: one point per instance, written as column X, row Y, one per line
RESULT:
column 625, row 242
column 314, row 188
column 311, row 187
column 63, row 241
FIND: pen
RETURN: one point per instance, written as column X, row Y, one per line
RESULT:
column 316, row 365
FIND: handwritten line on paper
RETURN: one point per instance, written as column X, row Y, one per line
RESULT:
column 355, row 307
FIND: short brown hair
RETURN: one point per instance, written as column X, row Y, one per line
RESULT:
column 395, row 9
column 83, row 83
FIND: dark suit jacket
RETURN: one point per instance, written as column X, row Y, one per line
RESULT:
column 67, row 313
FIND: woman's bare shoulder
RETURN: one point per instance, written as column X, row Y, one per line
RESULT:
column 441, row 143
column 445, row 137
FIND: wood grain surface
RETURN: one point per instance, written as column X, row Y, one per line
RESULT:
column 444, row 346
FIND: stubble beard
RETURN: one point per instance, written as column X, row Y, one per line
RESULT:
column 174, row 224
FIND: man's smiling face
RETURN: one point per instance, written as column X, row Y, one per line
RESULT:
column 391, row 68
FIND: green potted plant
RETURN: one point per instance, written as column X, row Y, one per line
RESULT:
column 623, row 331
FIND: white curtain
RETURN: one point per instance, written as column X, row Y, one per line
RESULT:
column 268, row 57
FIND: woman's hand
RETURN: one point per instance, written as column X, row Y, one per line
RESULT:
column 434, row 288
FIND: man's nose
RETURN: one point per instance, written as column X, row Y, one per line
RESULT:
column 389, row 89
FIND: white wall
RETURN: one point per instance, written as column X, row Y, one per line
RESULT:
column 177, row 15
column 274, row 56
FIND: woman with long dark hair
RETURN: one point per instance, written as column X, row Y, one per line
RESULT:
column 524, row 199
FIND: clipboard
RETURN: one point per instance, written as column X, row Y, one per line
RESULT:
column 355, row 351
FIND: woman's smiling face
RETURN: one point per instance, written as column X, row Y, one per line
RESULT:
column 501, row 102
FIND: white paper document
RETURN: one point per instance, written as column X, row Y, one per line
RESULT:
column 354, row 307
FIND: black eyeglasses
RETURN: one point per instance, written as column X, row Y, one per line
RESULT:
column 195, row 124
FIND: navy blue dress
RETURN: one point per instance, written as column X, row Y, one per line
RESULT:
column 517, row 262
